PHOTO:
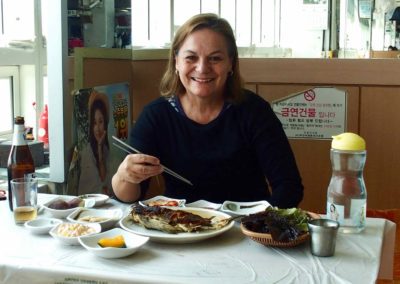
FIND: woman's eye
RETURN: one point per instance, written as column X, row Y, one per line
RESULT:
column 190, row 58
column 215, row 59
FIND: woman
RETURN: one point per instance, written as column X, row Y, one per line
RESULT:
column 227, row 141
column 94, row 176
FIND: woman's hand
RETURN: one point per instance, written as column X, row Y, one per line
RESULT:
column 134, row 169
column 138, row 167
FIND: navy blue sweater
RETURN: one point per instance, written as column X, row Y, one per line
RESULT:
column 234, row 157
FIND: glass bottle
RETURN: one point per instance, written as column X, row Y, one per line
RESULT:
column 347, row 195
column 20, row 161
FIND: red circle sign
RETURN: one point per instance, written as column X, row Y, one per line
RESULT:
column 309, row 95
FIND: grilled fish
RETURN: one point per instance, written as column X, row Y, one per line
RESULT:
column 172, row 221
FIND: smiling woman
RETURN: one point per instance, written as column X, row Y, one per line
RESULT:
column 226, row 140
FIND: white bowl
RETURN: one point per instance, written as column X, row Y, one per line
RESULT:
column 42, row 225
column 244, row 208
column 161, row 200
column 60, row 213
column 73, row 240
column 112, row 216
column 133, row 243
column 99, row 199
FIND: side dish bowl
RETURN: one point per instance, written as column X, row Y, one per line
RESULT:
column 63, row 212
column 235, row 208
column 73, row 234
column 132, row 242
column 105, row 217
column 42, row 225
column 161, row 200
column 99, row 199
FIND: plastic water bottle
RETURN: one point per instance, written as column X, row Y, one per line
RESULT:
column 347, row 195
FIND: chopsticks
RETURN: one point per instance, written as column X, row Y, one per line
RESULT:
column 123, row 146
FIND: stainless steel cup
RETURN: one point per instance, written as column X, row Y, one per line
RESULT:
column 323, row 236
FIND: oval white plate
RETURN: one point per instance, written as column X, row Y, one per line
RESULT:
column 256, row 206
column 204, row 204
column 162, row 199
column 42, row 225
column 99, row 199
column 132, row 241
column 112, row 215
column 159, row 236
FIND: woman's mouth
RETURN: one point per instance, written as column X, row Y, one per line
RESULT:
column 201, row 80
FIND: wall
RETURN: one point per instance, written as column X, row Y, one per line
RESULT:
column 373, row 98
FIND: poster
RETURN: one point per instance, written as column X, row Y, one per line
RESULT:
column 99, row 113
column 317, row 113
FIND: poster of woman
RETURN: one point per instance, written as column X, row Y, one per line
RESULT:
column 99, row 113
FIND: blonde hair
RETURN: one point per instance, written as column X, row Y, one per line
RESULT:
column 170, row 82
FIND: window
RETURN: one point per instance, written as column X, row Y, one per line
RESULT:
column 17, row 19
column 271, row 26
column 9, row 96
column 22, row 46
column 23, row 61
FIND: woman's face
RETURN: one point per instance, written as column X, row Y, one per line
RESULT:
column 98, row 128
column 203, row 63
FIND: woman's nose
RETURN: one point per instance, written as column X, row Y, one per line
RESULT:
column 203, row 65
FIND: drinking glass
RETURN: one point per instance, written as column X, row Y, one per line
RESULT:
column 24, row 198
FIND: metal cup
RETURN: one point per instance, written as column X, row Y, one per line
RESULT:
column 323, row 236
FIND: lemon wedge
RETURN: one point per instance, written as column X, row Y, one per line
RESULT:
column 115, row 242
column 348, row 141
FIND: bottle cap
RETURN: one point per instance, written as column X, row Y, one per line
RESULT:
column 19, row 120
column 348, row 141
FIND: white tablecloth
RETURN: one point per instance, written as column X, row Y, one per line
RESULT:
column 228, row 258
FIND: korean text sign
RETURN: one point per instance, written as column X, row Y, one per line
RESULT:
column 317, row 113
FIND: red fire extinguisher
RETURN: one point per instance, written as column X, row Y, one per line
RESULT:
column 44, row 128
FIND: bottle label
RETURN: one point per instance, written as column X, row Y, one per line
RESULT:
column 19, row 135
column 335, row 212
column 357, row 213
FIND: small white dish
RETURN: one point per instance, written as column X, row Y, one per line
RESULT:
column 161, row 200
column 42, row 225
column 73, row 240
column 204, row 204
column 63, row 213
column 132, row 241
column 105, row 217
column 234, row 208
column 99, row 199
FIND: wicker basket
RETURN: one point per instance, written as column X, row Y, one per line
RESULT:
column 266, row 239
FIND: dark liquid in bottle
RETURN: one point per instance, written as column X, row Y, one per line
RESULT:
column 20, row 161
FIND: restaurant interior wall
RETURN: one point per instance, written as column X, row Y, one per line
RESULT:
column 372, row 101
column 10, row 57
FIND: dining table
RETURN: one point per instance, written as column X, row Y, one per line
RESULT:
column 230, row 257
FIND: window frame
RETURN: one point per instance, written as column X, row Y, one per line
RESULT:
column 13, row 73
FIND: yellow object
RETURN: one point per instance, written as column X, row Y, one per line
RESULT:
column 115, row 242
column 348, row 141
